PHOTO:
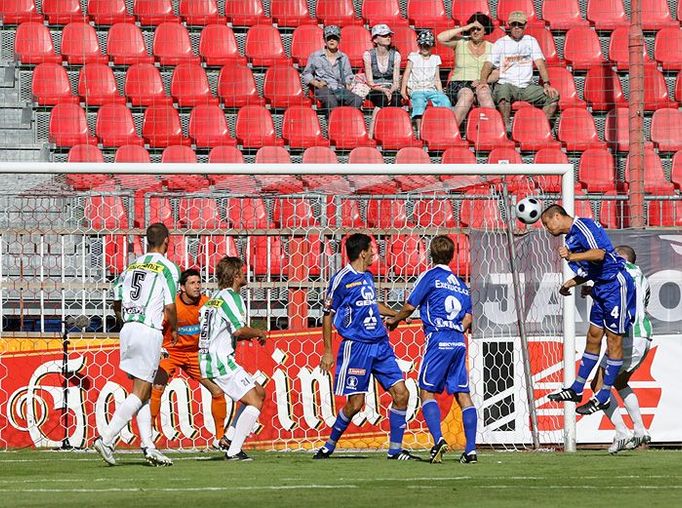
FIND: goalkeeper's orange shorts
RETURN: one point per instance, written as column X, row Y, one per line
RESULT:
column 185, row 360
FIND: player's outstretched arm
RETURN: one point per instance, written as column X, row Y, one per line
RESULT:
column 385, row 310
column 327, row 360
column 248, row 333
column 393, row 322
column 172, row 321
column 565, row 289
column 588, row 255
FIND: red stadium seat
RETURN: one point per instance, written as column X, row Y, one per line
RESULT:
column 365, row 155
column 463, row 9
column 337, row 12
column 407, row 255
column 446, row 54
column 51, row 85
column 546, row 42
column 69, row 127
column 237, row 88
column 562, row 14
column 306, row 39
column 654, row 176
column 609, row 209
column 532, row 131
column 405, row 41
column 225, row 154
column 656, row 15
column 172, row 46
column 505, row 155
column 199, row 213
column 666, row 130
column 582, row 49
column 125, row 45
column 255, row 129
column 619, row 52
column 577, row 130
column 496, row 34
column 382, row 11
column 272, row 155
column 245, row 12
column 132, row 153
column 200, row 12
column 409, row 183
column 460, row 263
column 562, row 79
column 426, row 13
column 109, row 12
column 177, row 154
column 189, row 86
column 178, row 251
column 290, row 13
column 318, row 155
column 33, row 44
column 248, row 213
column 154, row 12
column 213, row 248
column 481, row 214
column 80, row 44
column 85, row 153
column 606, row 14
column 295, row 212
column 97, row 85
column 115, row 126
column 434, row 213
column 344, row 212
column 617, row 129
column 355, row 40
column 485, row 129
column 61, row 12
column 504, row 7
column 655, row 89
column 370, row 184
column 15, row 12
column 277, row 184
column 264, row 47
column 301, row 128
column 347, row 128
column 412, row 155
column 668, row 48
column 208, row 127
column 458, row 155
column 596, row 170
column 266, row 256
column 105, row 212
column 161, row 127
column 393, row 129
column 665, row 213
column 549, row 183
column 144, row 86
column 218, row 46
column 387, row 213
column 439, row 129
column 676, row 172
column 282, row 87
column 603, row 90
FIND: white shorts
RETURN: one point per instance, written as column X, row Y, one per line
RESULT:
column 236, row 384
column 635, row 350
column 140, row 351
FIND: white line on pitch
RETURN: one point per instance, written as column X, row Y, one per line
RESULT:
column 188, row 489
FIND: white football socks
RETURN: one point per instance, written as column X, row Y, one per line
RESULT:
column 243, row 428
column 144, row 425
column 123, row 414
column 632, row 406
column 613, row 412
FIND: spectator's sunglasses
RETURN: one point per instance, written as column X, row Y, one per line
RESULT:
column 516, row 24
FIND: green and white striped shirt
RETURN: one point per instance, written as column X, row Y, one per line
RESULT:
column 145, row 287
column 641, row 325
column 221, row 317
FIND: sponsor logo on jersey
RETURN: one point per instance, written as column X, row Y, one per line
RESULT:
column 216, row 302
column 150, row 267
column 353, row 284
column 188, row 330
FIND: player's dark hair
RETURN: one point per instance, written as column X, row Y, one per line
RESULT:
column 226, row 270
column 156, row 234
column 355, row 244
column 628, row 252
column 442, row 250
column 552, row 210
column 190, row 272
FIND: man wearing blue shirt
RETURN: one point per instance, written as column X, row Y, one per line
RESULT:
column 591, row 256
column 351, row 305
column 445, row 310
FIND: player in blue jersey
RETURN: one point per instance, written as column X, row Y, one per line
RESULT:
column 591, row 256
column 351, row 305
column 445, row 310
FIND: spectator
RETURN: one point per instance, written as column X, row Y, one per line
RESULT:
column 471, row 53
column 421, row 81
column 382, row 68
column 329, row 72
column 514, row 55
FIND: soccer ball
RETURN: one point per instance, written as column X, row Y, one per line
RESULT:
column 528, row 210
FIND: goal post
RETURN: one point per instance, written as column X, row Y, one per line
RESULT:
column 290, row 298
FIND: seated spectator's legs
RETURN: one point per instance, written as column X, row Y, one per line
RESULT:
column 348, row 98
column 418, row 100
column 504, row 95
column 484, row 97
column 438, row 99
column 462, row 97
column 535, row 94
column 327, row 98
column 379, row 99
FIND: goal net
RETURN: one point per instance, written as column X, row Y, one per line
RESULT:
column 61, row 248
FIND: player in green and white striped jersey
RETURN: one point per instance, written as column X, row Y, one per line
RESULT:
column 636, row 345
column 222, row 324
column 143, row 294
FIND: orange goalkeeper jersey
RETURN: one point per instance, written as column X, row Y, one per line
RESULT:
column 188, row 326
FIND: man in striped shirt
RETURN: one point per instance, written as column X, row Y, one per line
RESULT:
column 223, row 323
column 143, row 293
column 636, row 345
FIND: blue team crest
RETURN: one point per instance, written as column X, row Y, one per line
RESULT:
column 351, row 381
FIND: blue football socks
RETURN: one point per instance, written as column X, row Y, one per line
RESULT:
column 431, row 413
column 610, row 375
column 586, row 365
column 470, row 421
column 340, row 426
column 396, row 418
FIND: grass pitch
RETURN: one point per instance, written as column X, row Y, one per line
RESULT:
column 587, row 478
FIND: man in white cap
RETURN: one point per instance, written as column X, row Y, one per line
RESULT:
column 329, row 72
column 514, row 55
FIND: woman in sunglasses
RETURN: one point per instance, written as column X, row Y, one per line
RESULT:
column 471, row 52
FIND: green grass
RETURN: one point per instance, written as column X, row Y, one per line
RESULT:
column 587, row 478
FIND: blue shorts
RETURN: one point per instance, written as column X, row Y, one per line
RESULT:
column 614, row 305
column 356, row 361
column 444, row 365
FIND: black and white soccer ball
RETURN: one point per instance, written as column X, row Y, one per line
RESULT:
column 528, row 210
